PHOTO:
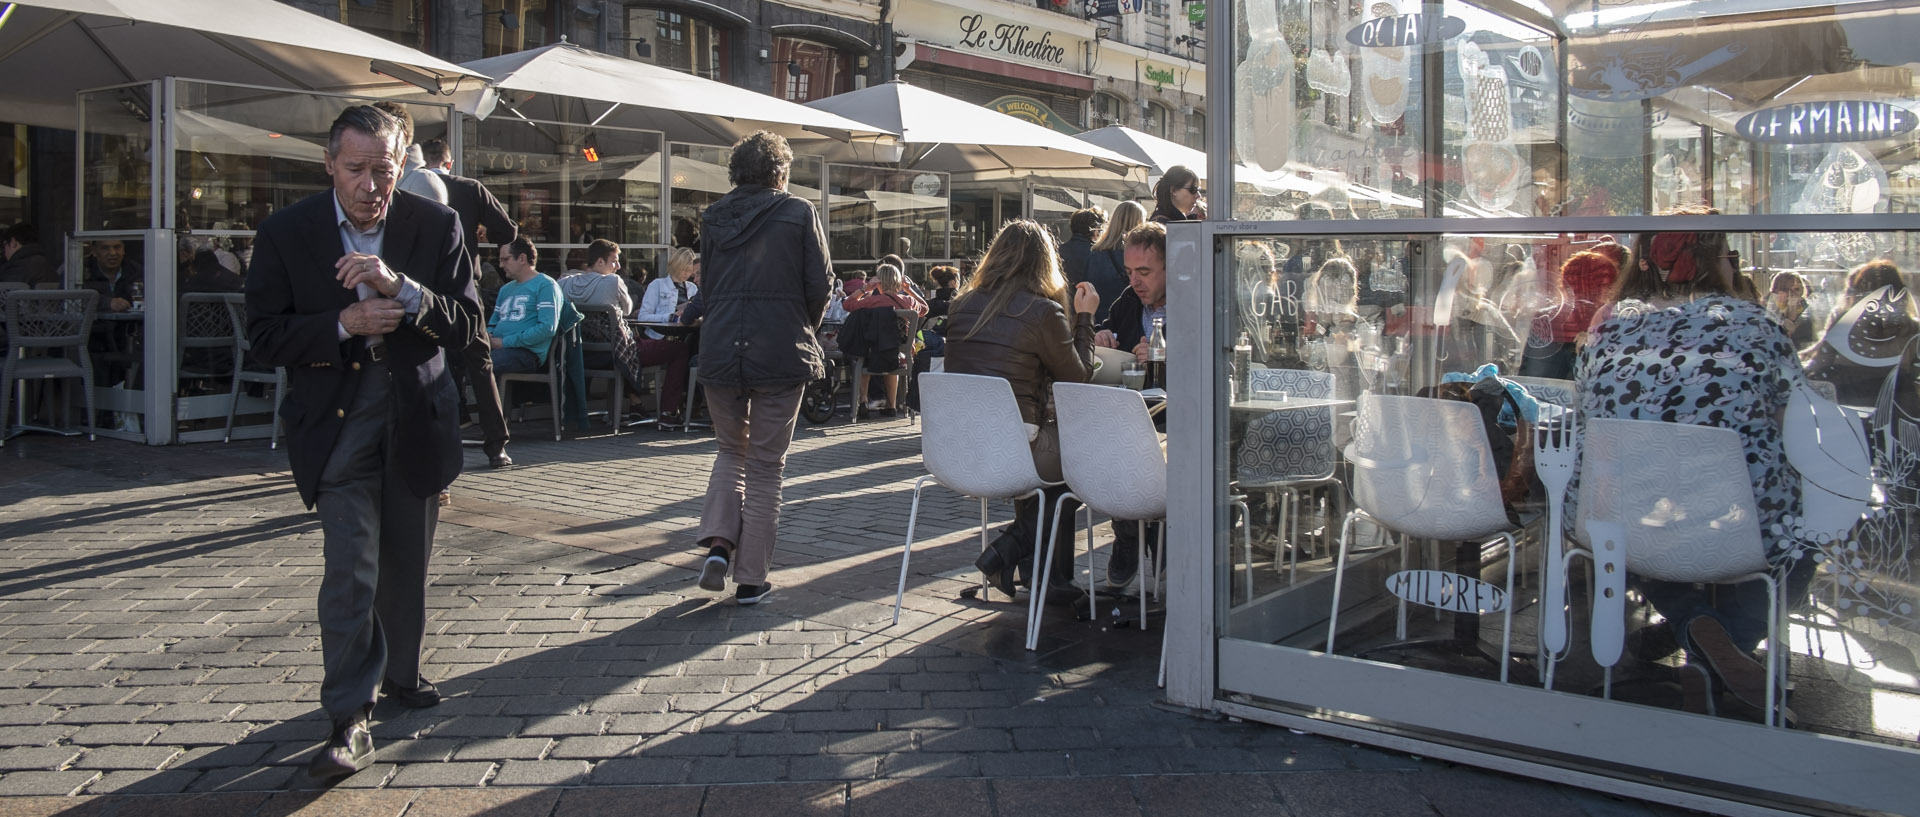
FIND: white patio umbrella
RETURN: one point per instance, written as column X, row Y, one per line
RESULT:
column 51, row 49
column 956, row 136
column 1157, row 153
column 567, row 83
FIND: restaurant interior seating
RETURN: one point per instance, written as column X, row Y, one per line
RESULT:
column 1288, row 454
column 48, row 321
column 1422, row 469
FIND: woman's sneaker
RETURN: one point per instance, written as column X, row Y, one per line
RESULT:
column 752, row 593
column 713, row 575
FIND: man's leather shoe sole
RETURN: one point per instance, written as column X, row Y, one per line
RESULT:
column 420, row 697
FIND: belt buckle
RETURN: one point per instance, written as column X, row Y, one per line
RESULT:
column 377, row 353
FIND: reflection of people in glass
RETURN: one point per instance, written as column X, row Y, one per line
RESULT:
column 1871, row 327
column 1333, row 315
column 1787, row 305
column 1585, row 281
column 1706, row 357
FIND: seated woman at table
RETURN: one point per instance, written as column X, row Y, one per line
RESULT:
column 667, row 294
column 1872, row 325
column 601, row 284
column 888, row 290
column 1012, row 320
column 1706, row 357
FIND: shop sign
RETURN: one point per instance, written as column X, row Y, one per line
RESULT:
column 1157, row 76
column 1447, row 591
column 1826, row 122
column 926, row 184
column 1113, row 8
column 1404, row 30
column 1197, row 13
column 1028, row 109
column 1011, row 39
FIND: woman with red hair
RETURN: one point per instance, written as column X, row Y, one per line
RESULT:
column 1586, row 282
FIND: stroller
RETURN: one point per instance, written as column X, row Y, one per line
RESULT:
column 822, row 397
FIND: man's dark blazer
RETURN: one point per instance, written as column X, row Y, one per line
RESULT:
column 1123, row 320
column 293, row 314
column 477, row 208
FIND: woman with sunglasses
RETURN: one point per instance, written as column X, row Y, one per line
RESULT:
column 1177, row 196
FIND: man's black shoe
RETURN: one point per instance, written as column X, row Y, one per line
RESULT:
column 349, row 750
column 419, row 697
column 752, row 593
column 713, row 572
column 500, row 460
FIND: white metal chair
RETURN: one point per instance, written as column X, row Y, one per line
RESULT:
column 59, row 319
column 974, row 443
column 1113, row 462
column 236, row 304
column 554, row 377
column 1686, row 515
column 1287, row 453
column 1422, row 468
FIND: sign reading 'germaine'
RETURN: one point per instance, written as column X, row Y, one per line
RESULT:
column 1405, row 29
column 1010, row 39
column 1837, row 120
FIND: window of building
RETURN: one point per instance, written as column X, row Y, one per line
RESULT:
column 804, row 71
column 1197, row 130
column 402, row 21
column 1153, row 119
column 1106, row 109
column 513, row 25
column 680, row 42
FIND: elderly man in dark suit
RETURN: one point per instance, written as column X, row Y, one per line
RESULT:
column 359, row 292
column 478, row 209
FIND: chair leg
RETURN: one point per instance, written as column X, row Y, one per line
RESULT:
column 1506, row 630
column 7, row 386
column 86, row 384
column 1037, row 580
column 906, row 552
column 1776, row 651
column 1339, row 572
column 1093, row 588
column 1043, row 571
column 559, row 408
column 279, row 393
column 686, row 414
column 1143, row 569
column 233, row 402
column 1288, row 535
column 983, row 547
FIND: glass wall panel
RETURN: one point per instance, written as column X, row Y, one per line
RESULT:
column 876, row 211
column 116, row 161
column 568, row 185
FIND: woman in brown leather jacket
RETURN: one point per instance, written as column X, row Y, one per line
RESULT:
column 1011, row 321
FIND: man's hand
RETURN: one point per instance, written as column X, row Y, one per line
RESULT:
column 1140, row 351
column 1085, row 300
column 373, row 316
column 119, row 305
column 494, row 341
column 354, row 269
column 1105, row 338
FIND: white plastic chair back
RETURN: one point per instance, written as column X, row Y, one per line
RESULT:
column 1827, row 444
column 1553, row 390
column 972, row 438
column 1109, row 451
column 1682, row 491
column 1422, row 467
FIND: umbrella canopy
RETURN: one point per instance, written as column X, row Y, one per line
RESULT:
column 567, row 83
column 956, row 136
column 51, row 49
column 1157, row 153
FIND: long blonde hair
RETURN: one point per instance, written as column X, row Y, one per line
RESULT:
column 1126, row 216
column 678, row 259
column 1020, row 259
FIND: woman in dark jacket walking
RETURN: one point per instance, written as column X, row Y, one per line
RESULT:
column 766, row 273
column 1012, row 322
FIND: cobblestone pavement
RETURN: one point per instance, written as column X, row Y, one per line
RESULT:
column 157, row 638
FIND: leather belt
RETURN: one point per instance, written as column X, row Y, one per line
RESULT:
column 377, row 352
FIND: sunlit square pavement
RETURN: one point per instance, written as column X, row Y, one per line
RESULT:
column 159, row 655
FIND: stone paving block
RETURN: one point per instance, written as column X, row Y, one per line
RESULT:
column 128, row 757
column 337, row 802
column 833, row 767
column 637, row 771
column 965, row 740
column 795, row 799
column 503, row 749
column 1181, row 795
column 1032, row 738
column 238, row 779
column 106, row 735
column 1107, row 797
column 541, row 773
column 1461, row 792
column 779, row 743
column 487, row 802
column 1101, row 762
column 651, row 723
column 921, row 798
column 169, row 781
column 736, row 769
column 43, row 735
column 672, row 745
column 423, row 750
column 1023, row 764
column 594, row 748
column 27, row 715
column 37, row 758
column 466, row 726
column 664, row 801
column 422, row 775
column 1337, row 794
column 211, row 757
column 563, row 726
column 195, row 734
column 57, row 784
column 929, row 764
column 928, row 719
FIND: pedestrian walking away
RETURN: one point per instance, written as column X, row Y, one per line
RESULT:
column 360, row 292
column 767, row 276
column 478, row 210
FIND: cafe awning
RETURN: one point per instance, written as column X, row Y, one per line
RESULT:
column 52, row 49
column 567, row 83
column 1157, row 153
column 947, row 134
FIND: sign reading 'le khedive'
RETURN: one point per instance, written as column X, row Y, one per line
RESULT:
column 1011, row 39
column 1834, row 120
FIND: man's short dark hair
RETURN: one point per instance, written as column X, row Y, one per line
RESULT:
column 600, row 249
column 522, row 248
column 400, row 114
column 24, row 233
column 435, row 151
column 1151, row 235
column 1087, row 221
column 368, row 120
column 761, row 158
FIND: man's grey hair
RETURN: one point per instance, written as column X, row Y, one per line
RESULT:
column 370, row 121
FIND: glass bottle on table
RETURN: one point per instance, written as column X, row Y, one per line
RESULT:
column 1157, row 355
column 137, row 296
